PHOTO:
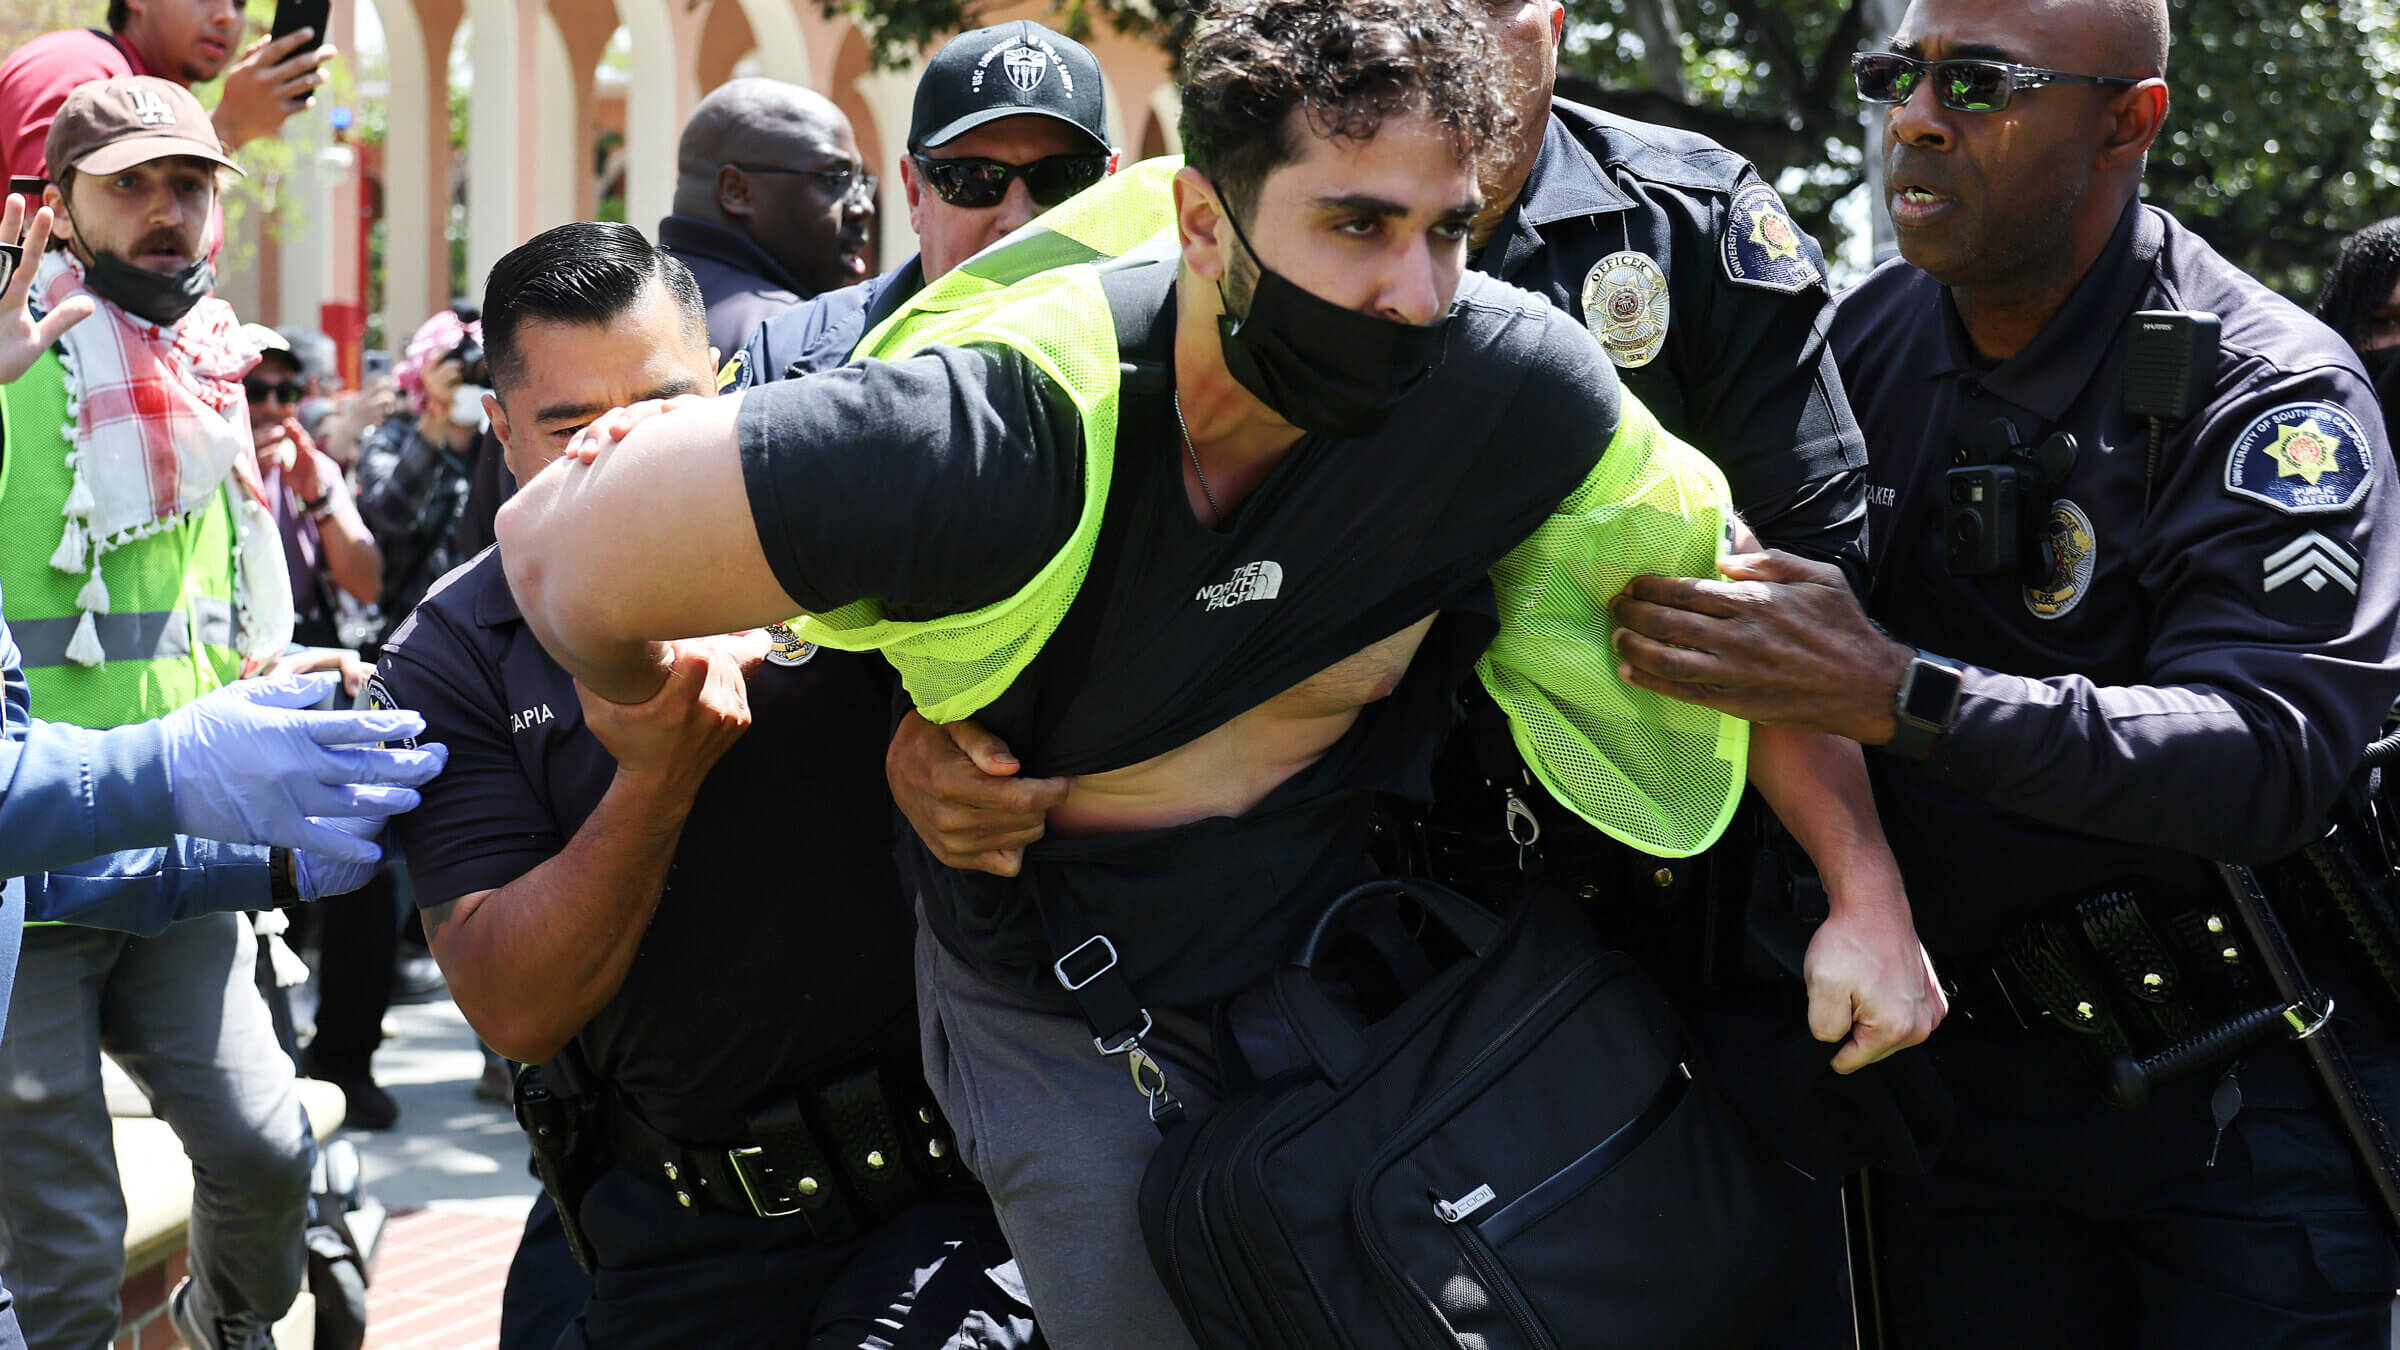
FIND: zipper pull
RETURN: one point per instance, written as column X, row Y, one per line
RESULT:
column 1524, row 829
column 1452, row 1211
column 2224, row 1104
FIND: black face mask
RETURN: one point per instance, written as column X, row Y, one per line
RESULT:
column 163, row 298
column 1319, row 366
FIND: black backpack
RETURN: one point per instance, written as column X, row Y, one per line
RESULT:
column 1523, row 1153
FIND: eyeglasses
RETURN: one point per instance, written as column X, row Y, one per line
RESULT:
column 278, row 391
column 845, row 183
column 1962, row 86
column 977, row 183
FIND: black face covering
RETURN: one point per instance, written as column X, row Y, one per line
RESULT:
column 163, row 298
column 1321, row 367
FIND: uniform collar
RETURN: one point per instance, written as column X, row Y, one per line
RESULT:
column 495, row 604
column 1567, row 183
column 699, row 238
column 2046, row 377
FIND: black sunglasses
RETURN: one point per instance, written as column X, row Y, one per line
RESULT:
column 282, row 391
column 1962, row 86
column 977, row 183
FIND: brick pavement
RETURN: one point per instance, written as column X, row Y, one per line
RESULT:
column 438, row 1278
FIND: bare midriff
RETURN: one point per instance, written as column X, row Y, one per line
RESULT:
column 1232, row 768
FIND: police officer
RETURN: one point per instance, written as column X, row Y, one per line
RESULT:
column 684, row 910
column 985, row 155
column 2184, row 662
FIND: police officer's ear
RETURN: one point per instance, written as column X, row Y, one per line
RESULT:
column 2136, row 115
column 733, row 193
column 1200, row 225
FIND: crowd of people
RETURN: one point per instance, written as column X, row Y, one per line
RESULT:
column 831, row 726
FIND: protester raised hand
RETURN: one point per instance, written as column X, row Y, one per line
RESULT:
column 22, row 339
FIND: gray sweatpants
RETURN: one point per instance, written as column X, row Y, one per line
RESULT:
column 182, row 1014
column 1059, row 1137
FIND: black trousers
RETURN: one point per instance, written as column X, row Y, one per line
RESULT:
column 358, row 937
column 705, row 1278
column 2051, row 1219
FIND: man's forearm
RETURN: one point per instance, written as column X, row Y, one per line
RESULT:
column 531, row 962
column 351, row 557
column 1817, row 785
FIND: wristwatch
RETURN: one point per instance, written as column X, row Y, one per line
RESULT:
column 316, row 510
column 283, row 882
column 1926, row 706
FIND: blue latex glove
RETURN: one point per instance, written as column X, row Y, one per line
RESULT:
column 317, row 876
column 248, row 766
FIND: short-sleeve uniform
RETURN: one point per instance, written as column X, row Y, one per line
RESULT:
column 756, row 978
column 2190, row 672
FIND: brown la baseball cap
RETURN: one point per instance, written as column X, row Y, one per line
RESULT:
column 107, row 126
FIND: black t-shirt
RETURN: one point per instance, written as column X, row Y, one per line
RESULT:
column 782, row 942
column 1181, row 628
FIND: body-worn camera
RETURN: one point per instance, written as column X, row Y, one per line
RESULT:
column 1992, row 509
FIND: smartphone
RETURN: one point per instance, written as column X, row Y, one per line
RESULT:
column 293, row 15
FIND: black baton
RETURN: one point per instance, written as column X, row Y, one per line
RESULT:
column 2369, row 1137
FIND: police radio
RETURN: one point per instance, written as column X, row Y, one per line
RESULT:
column 2170, row 355
column 1992, row 508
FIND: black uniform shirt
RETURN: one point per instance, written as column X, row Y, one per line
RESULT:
column 2197, row 683
column 781, row 944
column 1743, row 374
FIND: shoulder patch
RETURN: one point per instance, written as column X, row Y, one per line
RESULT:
column 2303, row 459
column 379, row 697
column 735, row 373
column 1763, row 248
column 2311, row 580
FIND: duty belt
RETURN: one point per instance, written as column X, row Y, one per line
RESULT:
column 840, row 1157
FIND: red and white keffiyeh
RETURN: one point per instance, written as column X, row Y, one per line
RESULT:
column 159, row 424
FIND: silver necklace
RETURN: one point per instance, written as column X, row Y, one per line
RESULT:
column 1216, row 513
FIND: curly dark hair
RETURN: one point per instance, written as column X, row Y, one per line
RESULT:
column 1348, row 64
column 2361, row 279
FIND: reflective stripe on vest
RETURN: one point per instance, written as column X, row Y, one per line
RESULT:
column 153, row 637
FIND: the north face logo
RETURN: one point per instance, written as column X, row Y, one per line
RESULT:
column 1250, row 581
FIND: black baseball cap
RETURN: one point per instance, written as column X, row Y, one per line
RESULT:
column 1016, row 69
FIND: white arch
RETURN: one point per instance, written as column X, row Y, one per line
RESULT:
column 411, row 215
column 558, row 131
column 1166, row 104
column 654, row 110
column 780, row 44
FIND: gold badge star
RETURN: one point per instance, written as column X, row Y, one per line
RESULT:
column 1770, row 231
column 2306, row 451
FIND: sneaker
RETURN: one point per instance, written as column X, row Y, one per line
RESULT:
column 202, row 1332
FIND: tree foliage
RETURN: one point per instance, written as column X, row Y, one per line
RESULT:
column 2283, row 137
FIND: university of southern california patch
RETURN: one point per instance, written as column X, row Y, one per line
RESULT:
column 380, row 699
column 2303, row 459
column 1762, row 247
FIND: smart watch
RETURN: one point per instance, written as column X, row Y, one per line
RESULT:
column 1926, row 706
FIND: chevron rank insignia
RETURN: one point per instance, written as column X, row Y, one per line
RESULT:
column 2303, row 459
column 1763, row 248
column 2311, row 580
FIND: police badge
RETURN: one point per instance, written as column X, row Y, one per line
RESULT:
column 789, row 648
column 1625, row 306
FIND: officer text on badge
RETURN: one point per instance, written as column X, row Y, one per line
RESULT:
column 2303, row 459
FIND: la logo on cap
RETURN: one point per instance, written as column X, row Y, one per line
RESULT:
column 149, row 107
